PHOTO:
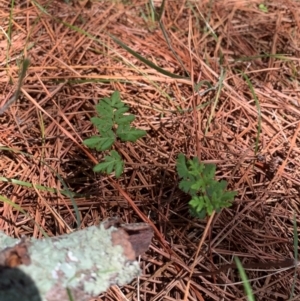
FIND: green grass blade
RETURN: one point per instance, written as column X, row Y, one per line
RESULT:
column 278, row 56
column 30, row 185
column 70, row 296
column 24, row 69
column 100, row 42
column 247, row 287
column 162, row 27
column 20, row 209
column 16, row 95
column 41, row 8
column 145, row 61
column 161, row 9
column 67, row 192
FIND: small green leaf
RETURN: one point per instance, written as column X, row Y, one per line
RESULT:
column 102, row 124
column 107, row 133
column 195, row 168
column 111, row 163
column 96, row 121
column 228, row 196
column 181, row 167
column 105, row 143
column 101, row 167
column 209, row 209
column 119, row 169
column 195, row 208
column 92, row 141
column 127, row 133
column 197, row 203
column 99, row 143
column 119, row 112
column 120, row 105
column 124, row 119
column 210, row 171
column 262, row 7
column 197, row 185
column 107, row 100
column 185, row 185
column 104, row 109
column 222, row 185
column 201, row 214
column 115, row 98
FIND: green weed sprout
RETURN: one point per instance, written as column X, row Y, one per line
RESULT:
column 246, row 284
column 112, row 123
column 197, row 179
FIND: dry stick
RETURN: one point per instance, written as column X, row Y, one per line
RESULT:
column 143, row 216
column 197, row 254
column 16, row 95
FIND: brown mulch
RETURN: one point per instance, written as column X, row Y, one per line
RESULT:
column 247, row 124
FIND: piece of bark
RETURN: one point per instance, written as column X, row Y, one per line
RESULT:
column 84, row 263
column 139, row 235
column 14, row 256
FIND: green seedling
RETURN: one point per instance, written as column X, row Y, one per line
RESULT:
column 246, row 284
column 262, row 7
column 112, row 122
column 197, row 179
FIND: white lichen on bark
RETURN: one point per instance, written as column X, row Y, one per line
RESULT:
column 84, row 262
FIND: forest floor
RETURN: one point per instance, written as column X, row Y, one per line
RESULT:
column 227, row 91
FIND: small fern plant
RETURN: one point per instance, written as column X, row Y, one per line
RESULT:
column 112, row 122
column 197, row 179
